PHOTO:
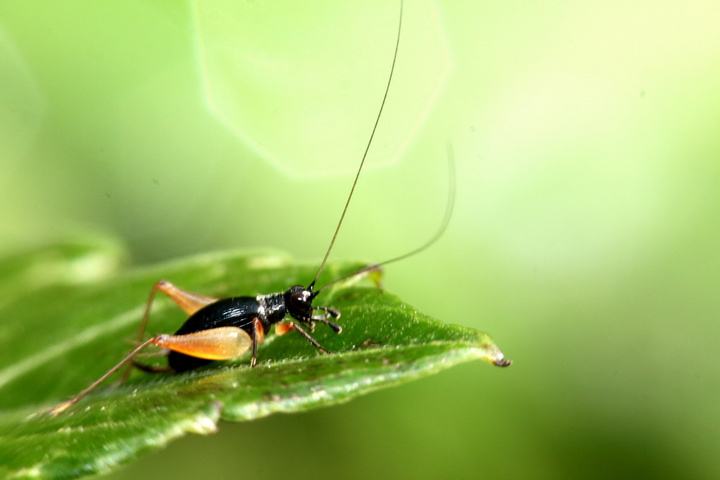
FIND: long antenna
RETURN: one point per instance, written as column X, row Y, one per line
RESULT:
column 449, row 207
column 364, row 156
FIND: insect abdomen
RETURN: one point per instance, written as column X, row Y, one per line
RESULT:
column 230, row 312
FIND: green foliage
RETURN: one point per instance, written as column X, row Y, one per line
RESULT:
column 64, row 325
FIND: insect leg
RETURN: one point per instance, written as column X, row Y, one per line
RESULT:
column 189, row 302
column 309, row 338
column 61, row 407
column 222, row 343
column 151, row 368
column 148, row 368
column 327, row 313
column 258, row 336
column 284, row 327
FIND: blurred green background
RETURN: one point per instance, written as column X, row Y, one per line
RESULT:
column 585, row 238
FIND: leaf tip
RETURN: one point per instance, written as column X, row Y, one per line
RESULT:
column 491, row 353
column 502, row 362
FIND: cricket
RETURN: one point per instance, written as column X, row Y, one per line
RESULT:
column 219, row 329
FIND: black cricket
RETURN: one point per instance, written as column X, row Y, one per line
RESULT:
column 246, row 312
column 223, row 329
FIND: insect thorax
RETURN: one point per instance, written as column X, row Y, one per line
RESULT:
column 272, row 307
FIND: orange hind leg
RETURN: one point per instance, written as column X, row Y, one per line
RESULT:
column 222, row 343
column 189, row 302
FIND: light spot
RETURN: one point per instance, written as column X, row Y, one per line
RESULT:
column 318, row 80
column 202, row 425
column 31, row 472
column 91, row 267
column 268, row 261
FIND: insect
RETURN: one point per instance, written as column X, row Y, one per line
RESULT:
column 226, row 328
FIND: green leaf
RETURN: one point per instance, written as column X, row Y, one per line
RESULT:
column 61, row 332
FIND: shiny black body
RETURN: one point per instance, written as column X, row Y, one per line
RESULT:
column 242, row 312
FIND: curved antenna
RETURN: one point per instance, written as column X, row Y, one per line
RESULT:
column 449, row 207
column 364, row 156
